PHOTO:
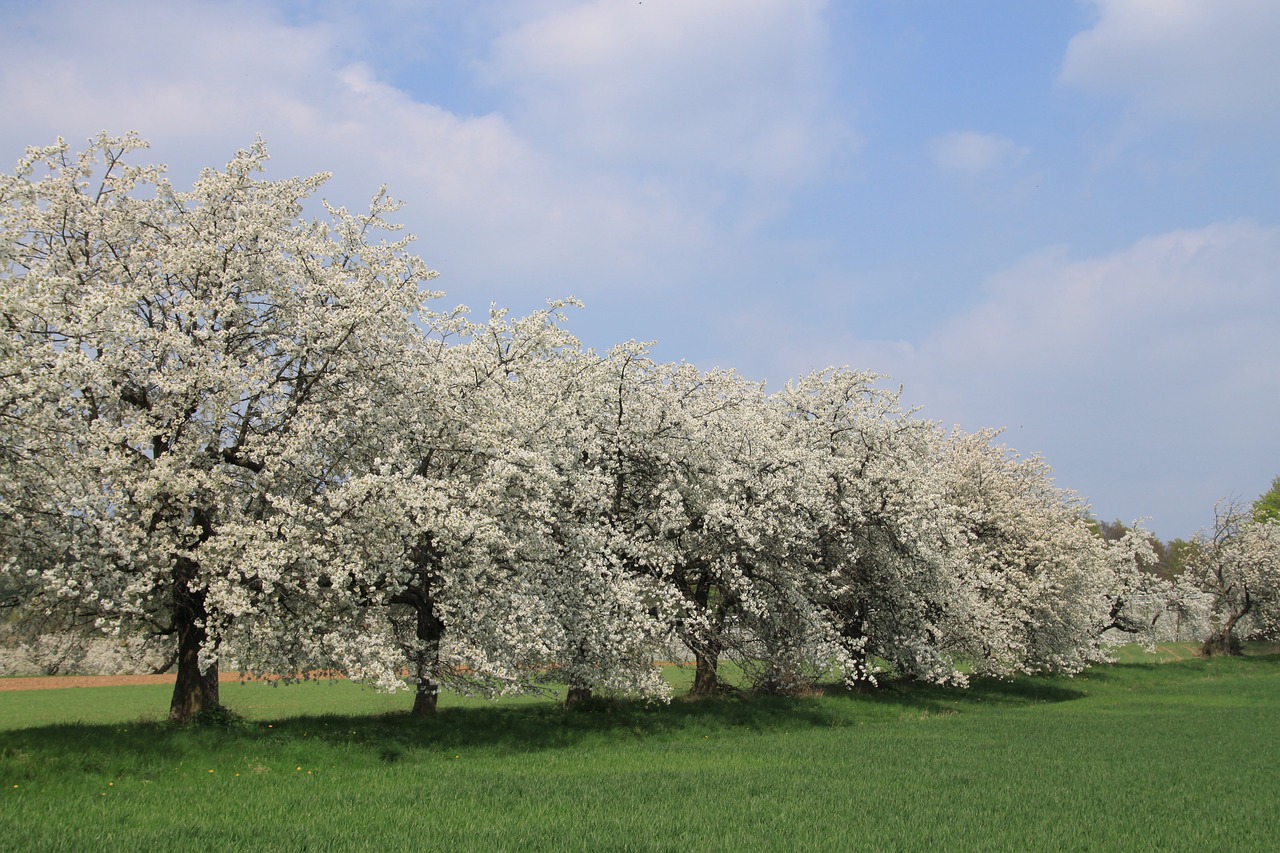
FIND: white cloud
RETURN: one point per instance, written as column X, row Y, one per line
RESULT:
column 969, row 154
column 1149, row 374
column 1200, row 287
column 500, row 217
column 721, row 87
column 192, row 71
column 1189, row 59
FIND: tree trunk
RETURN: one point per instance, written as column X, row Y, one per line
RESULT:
column 430, row 630
column 194, row 691
column 1224, row 641
column 424, row 701
column 706, row 678
column 706, row 649
column 577, row 695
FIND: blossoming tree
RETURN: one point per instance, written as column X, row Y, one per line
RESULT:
column 180, row 363
column 1042, row 588
column 1237, row 564
column 247, row 432
column 876, row 563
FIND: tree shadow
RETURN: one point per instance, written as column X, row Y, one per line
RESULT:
column 77, row 748
column 981, row 692
column 508, row 729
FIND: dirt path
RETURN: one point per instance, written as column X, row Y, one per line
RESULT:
column 55, row 682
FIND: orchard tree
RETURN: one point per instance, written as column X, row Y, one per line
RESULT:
column 608, row 583
column 694, row 478
column 177, row 365
column 1238, row 566
column 1048, row 587
column 877, row 565
column 737, row 530
column 435, row 543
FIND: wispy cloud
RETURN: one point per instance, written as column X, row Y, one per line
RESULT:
column 1115, row 366
column 1188, row 59
column 717, row 87
column 969, row 154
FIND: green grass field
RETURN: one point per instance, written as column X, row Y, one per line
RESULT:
column 1151, row 753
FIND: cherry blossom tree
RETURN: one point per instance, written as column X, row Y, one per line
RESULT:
column 606, row 582
column 877, row 565
column 436, row 543
column 180, row 364
column 248, row 432
column 1237, row 565
column 693, row 474
column 1041, row 587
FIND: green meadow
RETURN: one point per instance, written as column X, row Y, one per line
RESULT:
column 1155, row 752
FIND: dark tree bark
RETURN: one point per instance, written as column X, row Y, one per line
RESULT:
column 576, row 696
column 707, row 649
column 424, row 701
column 430, row 630
column 706, row 678
column 1224, row 641
column 193, row 691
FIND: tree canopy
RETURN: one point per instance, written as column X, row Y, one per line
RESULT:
column 249, row 432
column 1267, row 506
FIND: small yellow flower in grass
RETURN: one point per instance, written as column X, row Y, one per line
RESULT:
column 297, row 768
column 210, row 771
column 113, row 784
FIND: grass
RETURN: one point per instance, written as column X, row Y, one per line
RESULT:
column 1141, row 755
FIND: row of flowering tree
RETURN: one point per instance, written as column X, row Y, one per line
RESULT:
column 251, row 433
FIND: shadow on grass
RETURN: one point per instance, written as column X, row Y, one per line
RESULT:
column 526, row 728
column 141, row 749
column 981, row 692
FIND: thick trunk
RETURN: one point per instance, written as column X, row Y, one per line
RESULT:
column 706, row 678
column 1220, row 644
column 577, row 695
column 706, row 649
column 194, row 691
column 430, row 630
column 1224, row 641
column 706, row 681
column 424, row 701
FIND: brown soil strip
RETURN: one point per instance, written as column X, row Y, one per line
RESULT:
column 55, row 682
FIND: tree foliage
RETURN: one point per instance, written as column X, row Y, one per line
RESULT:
column 1267, row 506
column 248, row 432
column 180, row 367
column 1237, row 565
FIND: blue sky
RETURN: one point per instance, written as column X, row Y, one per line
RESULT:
column 1058, row 217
